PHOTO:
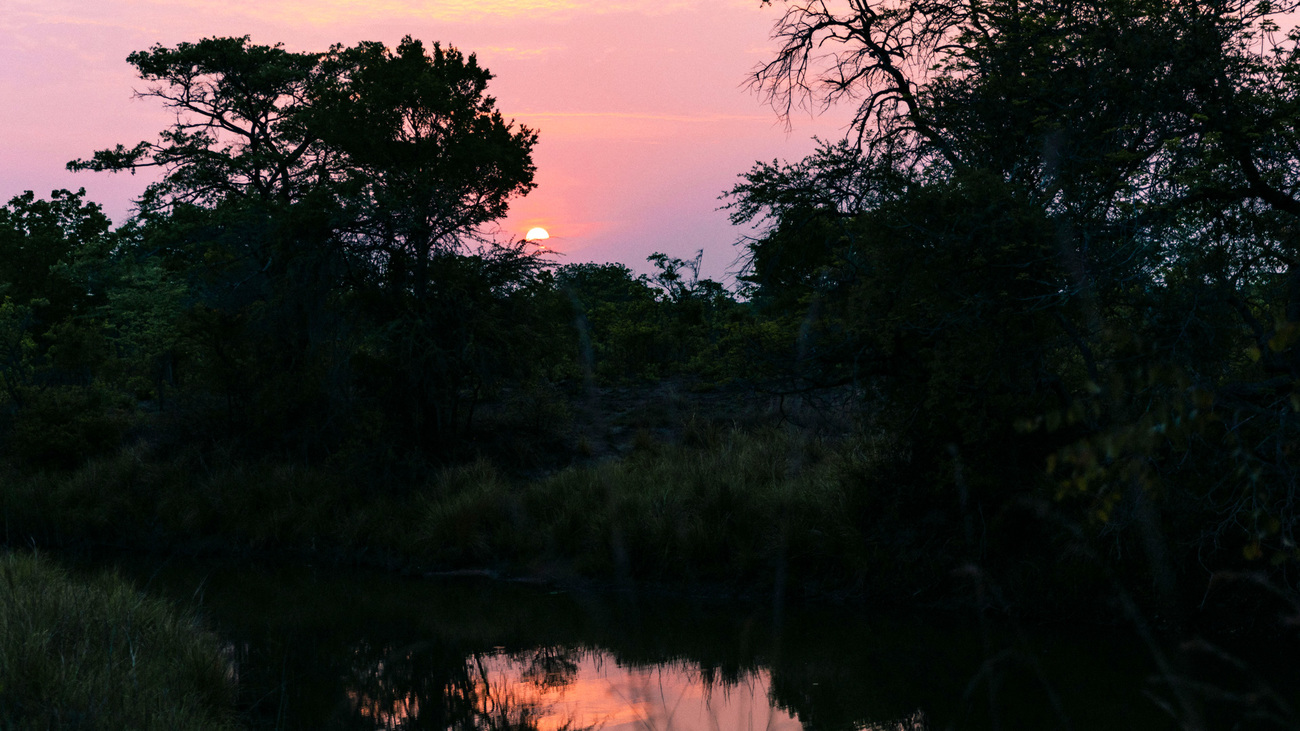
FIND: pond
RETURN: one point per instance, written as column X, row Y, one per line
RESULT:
column 316, row 648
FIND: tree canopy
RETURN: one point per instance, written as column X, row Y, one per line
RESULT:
column 319, row 201
column 1063, row 230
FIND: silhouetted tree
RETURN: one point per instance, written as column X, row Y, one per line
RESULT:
column 319, row 206
column 1072, row 217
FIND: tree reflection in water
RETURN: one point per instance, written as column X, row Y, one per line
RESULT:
column 342, row 650
column 553, row 688
column 415, row 687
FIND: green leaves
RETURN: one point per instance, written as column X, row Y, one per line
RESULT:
column 1080, row 218
column 52, row 251
column 17, row 349
column 425, row 158
column 237, row 133
column 319, row 206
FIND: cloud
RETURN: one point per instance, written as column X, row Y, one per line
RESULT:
column 325, row 12
column 513, row 52
column 686, row 118
column 643, row 128
column 27, row 17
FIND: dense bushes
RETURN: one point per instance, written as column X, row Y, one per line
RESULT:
column 748, row 511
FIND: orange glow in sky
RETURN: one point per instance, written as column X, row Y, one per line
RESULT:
column 640, row 104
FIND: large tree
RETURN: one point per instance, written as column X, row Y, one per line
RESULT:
column 319, row 200
column 405, row 144
column 1082, row 210
column 428, row 157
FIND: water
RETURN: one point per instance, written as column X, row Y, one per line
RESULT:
column 336, row 649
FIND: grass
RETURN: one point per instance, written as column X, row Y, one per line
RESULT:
column 740, row 508
column 743, row 509
column 97, row 654
column 195, row 502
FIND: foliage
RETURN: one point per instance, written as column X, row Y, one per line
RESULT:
column 1056, row 264
column 1073, row 217
column 427, row 361
column 668, row 323
column 730, row 507
column 18, row 348
column 49, row 252
column 58, row 271
column 307, row 246
column 427, row 158
column 96, row 654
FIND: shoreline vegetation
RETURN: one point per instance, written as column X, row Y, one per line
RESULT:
column 696, row 504
column 677, row 499
column 96, row 654
column 930, row 382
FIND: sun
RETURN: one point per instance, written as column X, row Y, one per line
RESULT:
column 536, row 234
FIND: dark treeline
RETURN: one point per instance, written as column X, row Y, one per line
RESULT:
column 1054, row 274
column 310, row 276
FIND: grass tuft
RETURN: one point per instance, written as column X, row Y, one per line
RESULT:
column 97, row 654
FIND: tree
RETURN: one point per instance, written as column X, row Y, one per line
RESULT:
column 48, row 251
column 239, row 131
column 56, row 269
column 1079, row 211
column 1121, row 121
column 310, row 198
column 429, row 159
column 405, row 146
column 57, row 272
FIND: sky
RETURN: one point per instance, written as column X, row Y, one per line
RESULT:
column 642, row 106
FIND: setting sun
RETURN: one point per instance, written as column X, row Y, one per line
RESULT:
column 536, row 234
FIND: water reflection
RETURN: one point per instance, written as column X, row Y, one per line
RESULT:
column 344, row 650
column 558, row 689
column 601, row 692
column 387, row 710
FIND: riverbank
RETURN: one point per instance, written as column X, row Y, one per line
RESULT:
column 765, row 514
column 94, row 653
column 330, row 647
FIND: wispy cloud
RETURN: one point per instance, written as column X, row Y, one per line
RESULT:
column 323, row 12
column 513, row 52
column 686, row 118
column 26, row 16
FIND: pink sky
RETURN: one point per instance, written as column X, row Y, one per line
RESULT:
column 641, row 104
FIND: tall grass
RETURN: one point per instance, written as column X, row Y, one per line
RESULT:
column 197, row 502
column 725, row 506
column 743, row 508
column 97, row 654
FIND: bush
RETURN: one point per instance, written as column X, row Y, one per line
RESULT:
column 63, row 426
